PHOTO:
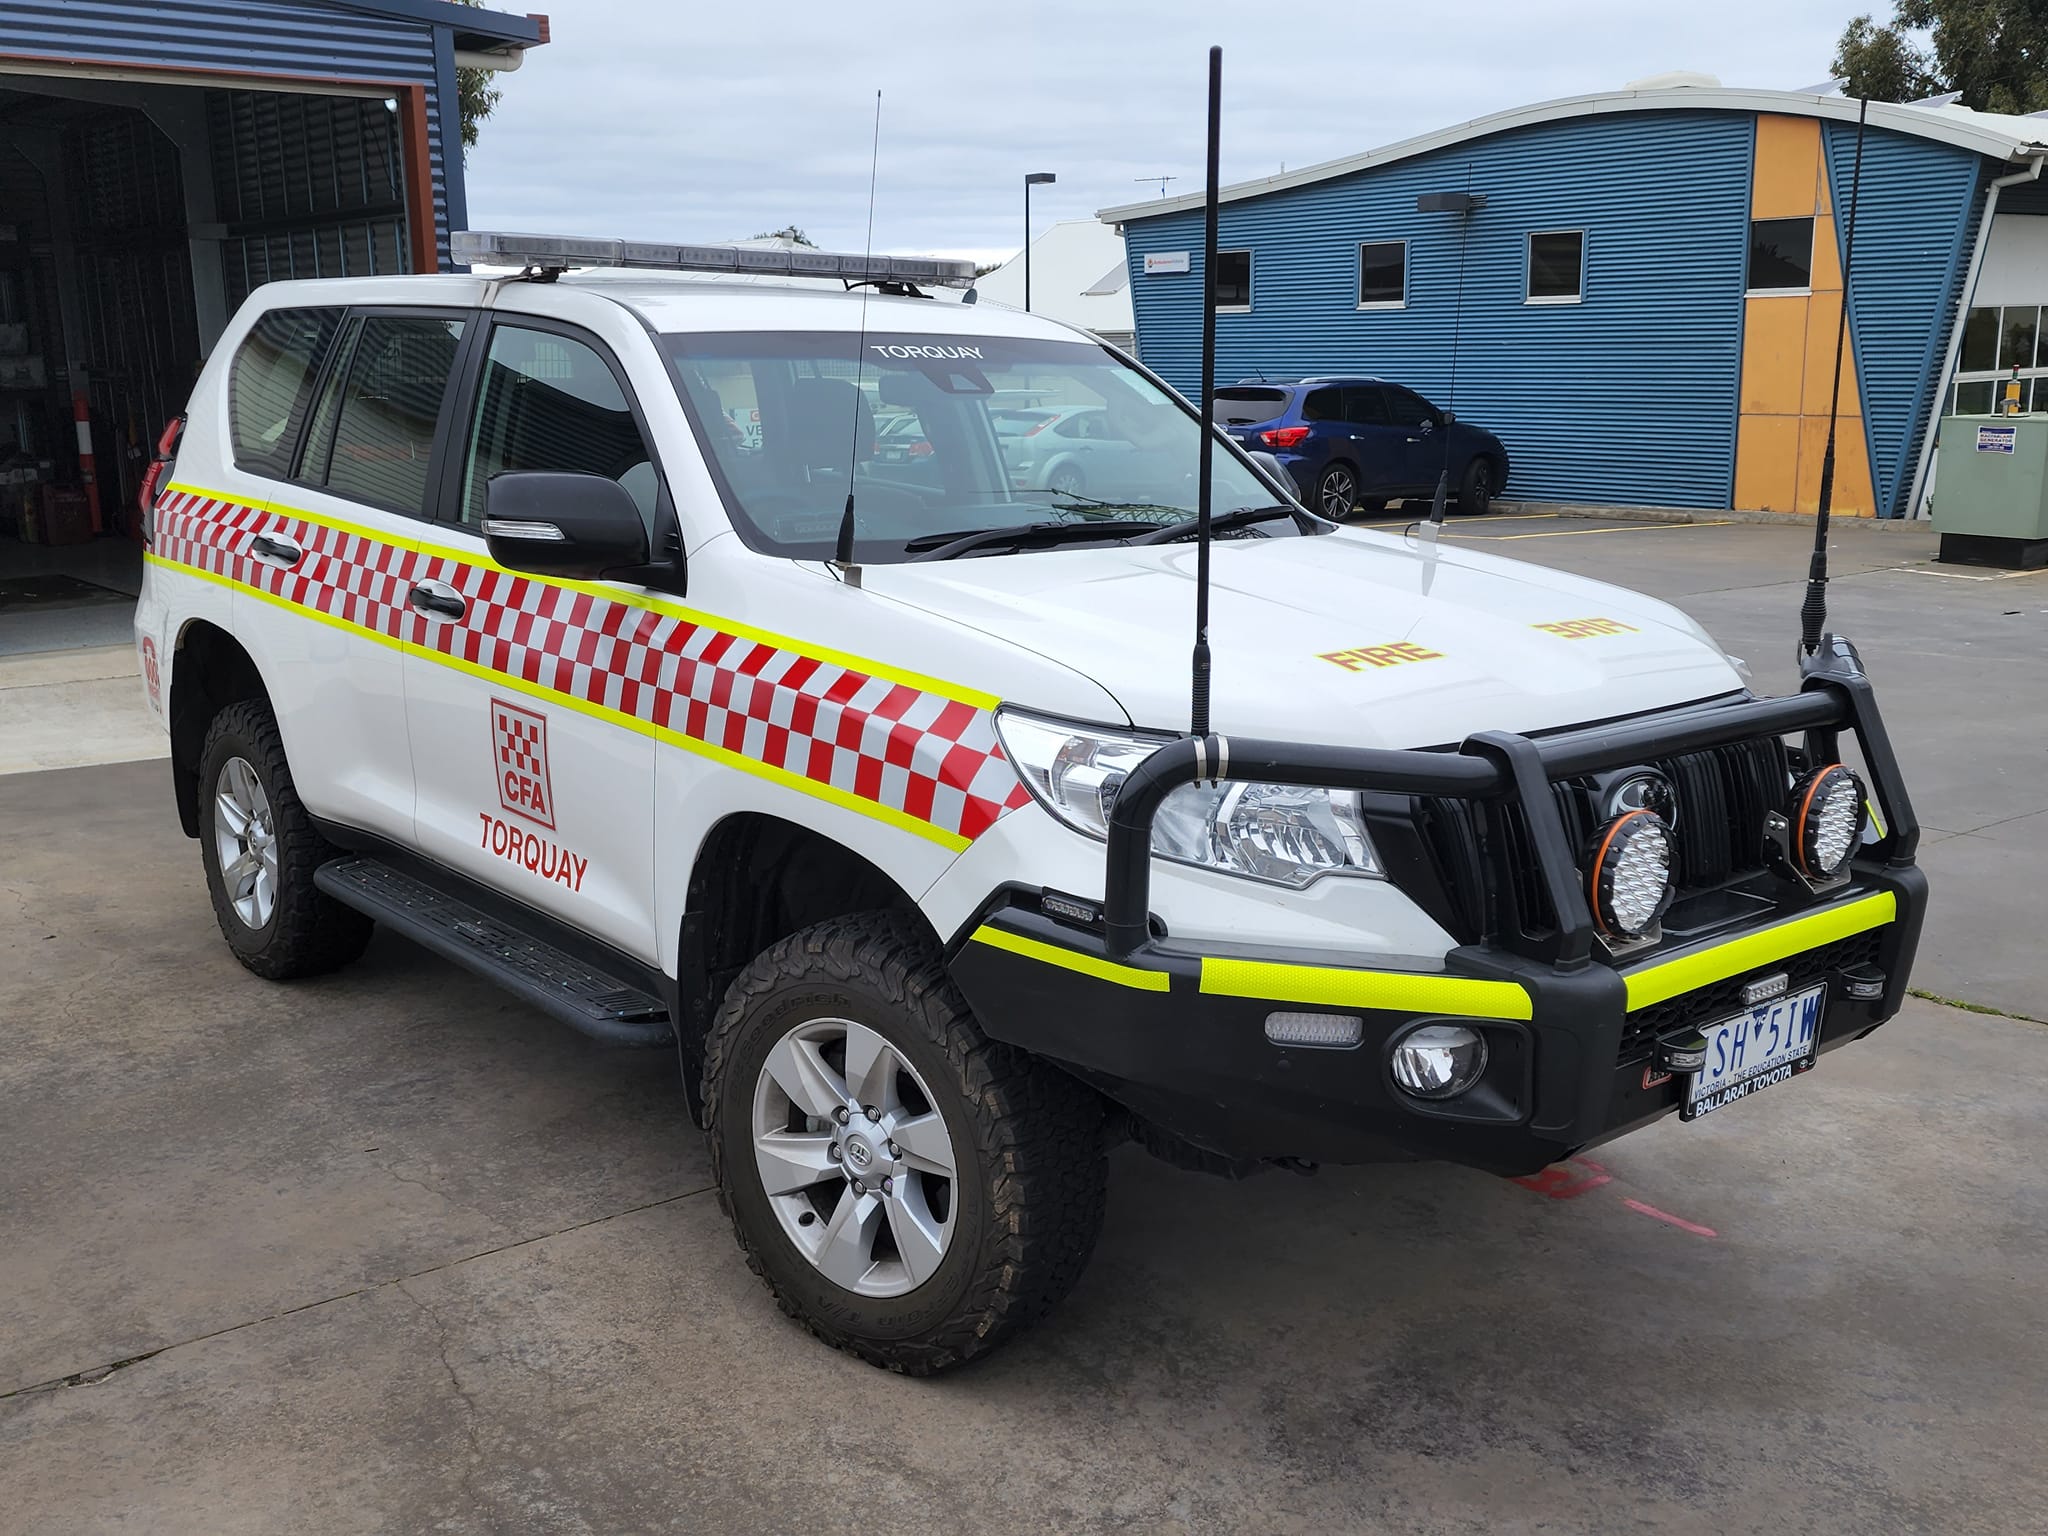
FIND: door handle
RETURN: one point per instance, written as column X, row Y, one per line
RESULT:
column 273, row 550
column 437, row 600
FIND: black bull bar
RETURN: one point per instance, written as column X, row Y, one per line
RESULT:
column 1835, row 695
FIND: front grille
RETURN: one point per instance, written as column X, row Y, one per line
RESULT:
column 1723, row 999
column 1723, row 795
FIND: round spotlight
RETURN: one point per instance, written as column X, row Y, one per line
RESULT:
column 1439, row 1061
column 1629, row 883
column 1827, row 816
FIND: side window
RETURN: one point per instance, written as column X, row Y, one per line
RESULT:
column 1233, row 279
column 1410, row 409
column 373, row 437
column 269, row 382
column 1366, row 405
column 1073, row 426
column 1780, row 254
column 1325, row 404
column 548, row 401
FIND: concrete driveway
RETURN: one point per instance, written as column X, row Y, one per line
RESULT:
column 385, row 1252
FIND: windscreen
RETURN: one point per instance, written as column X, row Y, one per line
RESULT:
column 937, row 436
column 1240, row 405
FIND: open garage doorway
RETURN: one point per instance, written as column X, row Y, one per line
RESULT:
column 135, row 216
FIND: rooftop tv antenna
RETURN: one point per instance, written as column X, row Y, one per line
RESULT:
column 1162, row 180
column 843, row 550
column 1204, row 484
column 1813, row 613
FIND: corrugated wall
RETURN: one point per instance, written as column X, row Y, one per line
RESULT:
column 1628, row 396
column 1916, row 216
column 259, row 36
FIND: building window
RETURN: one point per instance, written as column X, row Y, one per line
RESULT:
column 1383, row 274
column 1780, row 255
column 1557, row 266
column 1999, row 342
column 1233, row 279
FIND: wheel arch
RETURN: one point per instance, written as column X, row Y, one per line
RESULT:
column 210, row 669
column 756, row 879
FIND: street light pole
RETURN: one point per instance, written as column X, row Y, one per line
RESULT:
column 1031, row 179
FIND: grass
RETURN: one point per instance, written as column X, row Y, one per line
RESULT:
column 1968, row 1007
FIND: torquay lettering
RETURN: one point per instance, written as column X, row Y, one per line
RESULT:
column 925, row 349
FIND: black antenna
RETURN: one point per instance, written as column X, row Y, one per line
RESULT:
column 1813, row 613
column 843, row 551
column 1200, row 723
column 1440, row 503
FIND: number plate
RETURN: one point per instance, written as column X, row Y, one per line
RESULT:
column 1756, row 1049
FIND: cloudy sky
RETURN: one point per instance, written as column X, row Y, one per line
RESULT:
column 681, row 119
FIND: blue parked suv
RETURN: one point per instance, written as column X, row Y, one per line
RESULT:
column 1352, row 442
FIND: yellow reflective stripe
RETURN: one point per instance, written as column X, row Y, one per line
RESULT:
column 1655, row 983
column 1393, row 991
column 1876, row 820
column 674, row 610
column 1072, row 960
column 832, row 795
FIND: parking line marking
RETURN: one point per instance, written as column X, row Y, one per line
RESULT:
column 1665, row 1216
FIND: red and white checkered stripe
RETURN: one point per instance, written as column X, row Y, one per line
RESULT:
column 928, row 756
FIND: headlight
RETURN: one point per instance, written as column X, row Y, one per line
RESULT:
column 1827, row 809
column 1629, row 883
column 1273, row 832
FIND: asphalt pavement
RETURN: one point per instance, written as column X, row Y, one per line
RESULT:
column 387, row 1252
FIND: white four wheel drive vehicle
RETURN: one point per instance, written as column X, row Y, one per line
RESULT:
column 574, row 627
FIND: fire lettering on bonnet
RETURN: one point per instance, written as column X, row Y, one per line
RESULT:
column 532, row 852
column 1360, row 657
column 1585, row 629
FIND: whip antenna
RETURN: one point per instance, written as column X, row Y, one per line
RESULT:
column 843, row 551
column 1200, row 712
column 1813, row 613
column 1440, row 501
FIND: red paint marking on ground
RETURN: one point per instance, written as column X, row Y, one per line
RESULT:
column 1559, row 1182
column 1677, row 1221
column 1587, row 1162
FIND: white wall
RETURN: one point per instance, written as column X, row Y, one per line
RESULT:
column 2015, row 269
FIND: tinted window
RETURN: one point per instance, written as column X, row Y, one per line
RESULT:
column 1233, row 279
column 1365, row 404
column 551, row 402
column 1410, row 409
column 1325, row 404
column 269, row 382
column 1240, row 405
column 1383, row 272
column 1556, row 264
column 374, row 439
column 1780, row 253
column 1980, row 341
column 2016, row 337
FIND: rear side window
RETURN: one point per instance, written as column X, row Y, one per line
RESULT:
column 1241, row 404
column 269, row 384
column 1364, row 403
column 1325, row 404
column 374, row 437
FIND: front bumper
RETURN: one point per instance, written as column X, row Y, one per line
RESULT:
column 1180, row 1039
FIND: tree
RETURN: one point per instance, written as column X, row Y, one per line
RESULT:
column 1993, row 53
column 475, row 95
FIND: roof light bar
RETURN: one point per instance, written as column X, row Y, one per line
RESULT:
column 472, row 247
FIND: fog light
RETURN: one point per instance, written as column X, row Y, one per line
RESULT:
column 1629, row 883
column 1329, row 1031
column 1439, row 1061
column 1827, row 815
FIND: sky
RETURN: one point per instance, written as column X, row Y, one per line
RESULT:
column 682, row 120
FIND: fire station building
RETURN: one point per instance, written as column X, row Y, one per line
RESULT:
column 1642, row 296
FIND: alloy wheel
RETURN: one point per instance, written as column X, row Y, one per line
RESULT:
column 1339, row 492
column 245, row 842
column 854, row 1157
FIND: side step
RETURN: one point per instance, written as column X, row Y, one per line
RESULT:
column 555, row 982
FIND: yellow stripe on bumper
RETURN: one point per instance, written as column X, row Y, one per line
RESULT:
column 1087, row 965
column 1655, row 983
column 1392, row 991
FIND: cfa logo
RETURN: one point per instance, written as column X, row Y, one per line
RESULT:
column 1380, row 655
column 521, row 739
column 1585, row 629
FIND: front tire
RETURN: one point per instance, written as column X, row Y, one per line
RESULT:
column 910, row 1191
column 260, row 849
column 1475, row 490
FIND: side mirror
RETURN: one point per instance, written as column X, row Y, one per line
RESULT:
column 554, row 523
column 1278, row 472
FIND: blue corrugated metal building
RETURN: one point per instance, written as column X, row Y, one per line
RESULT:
column 1643, row 304
column 161, row 158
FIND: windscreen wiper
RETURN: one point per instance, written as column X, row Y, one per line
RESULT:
column 945, row 546
column 1222, row 522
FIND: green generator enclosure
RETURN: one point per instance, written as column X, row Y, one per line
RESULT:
column 1990, row 501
